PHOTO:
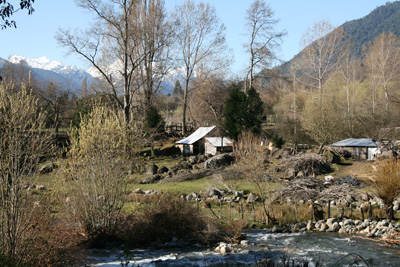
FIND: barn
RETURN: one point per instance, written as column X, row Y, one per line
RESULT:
column 361, row 148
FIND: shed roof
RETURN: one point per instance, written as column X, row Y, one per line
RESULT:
column 352, row 142
column 216, row 141
column 196, row 136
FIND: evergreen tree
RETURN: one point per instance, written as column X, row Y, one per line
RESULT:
column 234, row 112
column 243, row 112
column 177, row 89
column 255, row 114
column 154, row 118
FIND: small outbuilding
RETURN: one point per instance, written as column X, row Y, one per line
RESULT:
column 194, row 143
column 361, row 148
column 213, row 145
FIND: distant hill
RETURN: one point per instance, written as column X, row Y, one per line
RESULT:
column 362, row 31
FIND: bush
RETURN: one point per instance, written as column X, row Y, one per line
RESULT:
column 162, row 221
column 95, row 171
column 387, row 184
column 154, row 120
column 277, row 141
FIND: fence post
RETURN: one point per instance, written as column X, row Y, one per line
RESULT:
column 329, row 209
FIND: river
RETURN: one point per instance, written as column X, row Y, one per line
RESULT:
column 327, row 249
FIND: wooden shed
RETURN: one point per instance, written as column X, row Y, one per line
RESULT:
column 361, row 149
column 213, row 145
column 194, row 143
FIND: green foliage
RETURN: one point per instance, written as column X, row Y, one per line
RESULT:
column 82, row 109
column 234, row 112
column 277, row 141
column 243, row 111
column 177, row 89
column 255, row 114
column 153, row 118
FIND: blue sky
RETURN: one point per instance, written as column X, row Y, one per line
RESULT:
column 35, row 34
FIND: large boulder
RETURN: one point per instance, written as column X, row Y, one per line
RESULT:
column 151, row 179
column 217, row 161
column 151, row 169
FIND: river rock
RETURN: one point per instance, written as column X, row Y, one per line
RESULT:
column 331, row 221
column 223, row 248
column 383, row 223
column 335, row 227
column 324, row 227
column 244, row 243
column 348, row 222
column 310, row 226
column 277, row 229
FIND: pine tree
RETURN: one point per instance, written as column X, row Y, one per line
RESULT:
column 177, row 89
column 255, row 114
column 243, row 112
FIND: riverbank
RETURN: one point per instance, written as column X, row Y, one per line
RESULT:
column 305, row 249
column 383, row 229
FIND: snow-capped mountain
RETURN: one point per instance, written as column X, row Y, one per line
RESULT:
column 45, row 71
column 70, row 77
column 167, row 84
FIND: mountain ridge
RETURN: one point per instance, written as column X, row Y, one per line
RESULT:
column 362, row 31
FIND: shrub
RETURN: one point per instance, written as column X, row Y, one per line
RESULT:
column 387, row 184
column 23, row 143
column 95, row 171
column 154, row 120
column 162, row 221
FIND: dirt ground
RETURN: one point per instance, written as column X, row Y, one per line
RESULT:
column 362, row 170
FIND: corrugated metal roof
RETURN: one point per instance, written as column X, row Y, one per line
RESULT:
column 196, row 136
column 216, row 141
column 352, row 142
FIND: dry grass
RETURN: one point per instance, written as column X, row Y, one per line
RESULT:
column 386, row 183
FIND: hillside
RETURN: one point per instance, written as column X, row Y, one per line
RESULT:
column 362, row 31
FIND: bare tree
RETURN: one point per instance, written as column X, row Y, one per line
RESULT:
column 263, row 38
column 200, row 39
column 208, row 100
column 321, row 55
column 151, row 19
column 351, row 75
column 111, row 40
column 22, row 145
column 250, row 158
column 55, row 101
column 322, row 121
column 383, row 59
column 7, row 10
